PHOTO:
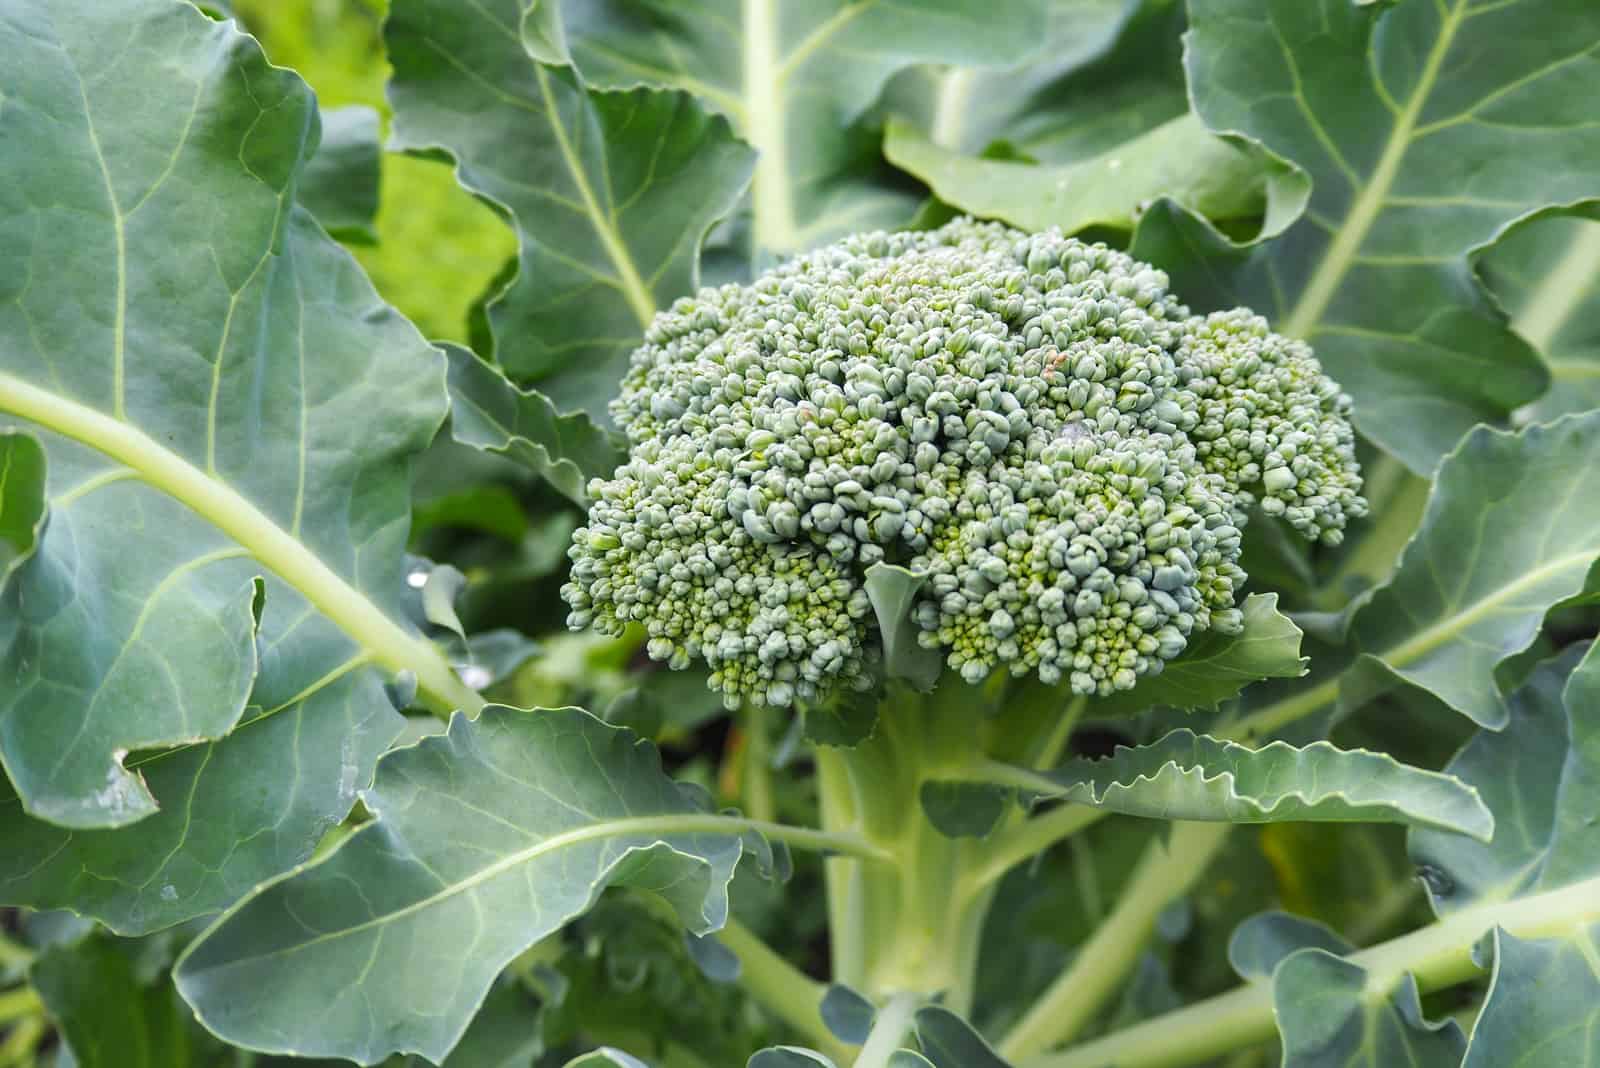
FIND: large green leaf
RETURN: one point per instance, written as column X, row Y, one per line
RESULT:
column 1547, row 274
column 226, row 407
column 489, row 413
column 1424, row 135
column 796, row 79
column 1510, row 530
column 488, row 838
column 1541, row 776
column 1216, row 666
column 610, row 193
column 1185, row 776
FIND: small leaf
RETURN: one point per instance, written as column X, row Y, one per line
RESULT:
column 487, row 839
column 439, row 591
column 847, row 1014
column 950, row 1042
column 610, row 193
column 1263, row 941
column 788, row 1057
column 489, row 413
column 1329, row 1018
column 1185, row 776
column 965, row 809
column 893, row 593
column 606, row 1057
column 1216, row 667
column 340, row 182
column 716, row 961
column 844, row 718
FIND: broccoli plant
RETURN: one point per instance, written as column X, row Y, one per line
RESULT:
column 1046, row 535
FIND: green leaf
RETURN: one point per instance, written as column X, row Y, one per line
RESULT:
column 489, row 413
column 795, row 80
column 610, row 193
column 1216, row 666
column 1511, row 530
column 906, row 1058
column 1424, row 137
column 1265, row 940
column 1544, row 1001
column 1185, row 776
column 1180, row 159
column 488, row 838
column 1328, row 1018
column 1547, row 274
column 844, row 718
column 950, row 1042
column 340, row 183
column 788, row 1057
column 228, row 414
column 847, row 1014
column 606, row 1058
column 106, row 1015
column 22, row 498
column 893, row 593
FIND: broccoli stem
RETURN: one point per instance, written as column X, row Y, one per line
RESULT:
column 781, row 988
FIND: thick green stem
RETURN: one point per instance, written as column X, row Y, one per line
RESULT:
column 1026, row 840
column 893, row 1021
column 1438, row 956
column 781, row 988
column 842, row 880
column 758, row 763
column 1165, row 873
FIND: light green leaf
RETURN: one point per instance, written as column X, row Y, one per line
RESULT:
column 1262, row 942
column 948, row 1041
column 106, row 1015
column 1547, row 274
column 1424, row 136
column 22, row 498
column 228, row 414
column 1329, row 1018
column 489, row 413
column 1216, row 667
column 610, row 193
column 893, row 593
column 1543, row 1001
column 795, row 80
column 1510, row 531
column 1185, row 776
column 1180, row 159
column 487, row 839
column 340, row 183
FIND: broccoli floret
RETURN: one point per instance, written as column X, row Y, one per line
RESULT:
column 1032, row 421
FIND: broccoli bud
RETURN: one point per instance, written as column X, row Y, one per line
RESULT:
column 1032, row 421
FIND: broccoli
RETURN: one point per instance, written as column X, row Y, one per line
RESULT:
column 1032, row 422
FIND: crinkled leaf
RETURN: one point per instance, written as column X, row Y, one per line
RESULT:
column 610, row 193
column 1424, row 136
column 489, row 413
column 106, row 1014
column 340, row 183
column 847, row 1014
column 1329, row 1018
column 950, row 1042
column 795, row 79
column 226, row 399
column 1547, row 274
column 487, row 839
column 893, row 592
column 22, row 498
column 1185, row 776
column 1216, row 666
column 1511, row 530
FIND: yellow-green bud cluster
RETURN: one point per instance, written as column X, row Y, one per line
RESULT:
column 1032, row 421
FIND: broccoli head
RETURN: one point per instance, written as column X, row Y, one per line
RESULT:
column 1032, row 422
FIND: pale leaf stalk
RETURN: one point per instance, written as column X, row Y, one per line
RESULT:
column 1165, row 873
column 1438, row 956
column 888, row 1031
column 782, row 989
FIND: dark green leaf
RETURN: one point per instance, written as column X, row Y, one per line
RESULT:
column 106, row 1015
column 893, row 592
column 610, row 192
column 1262, row 942
column 487, row 839
column 1544, row 1003
column 1328, row 1018
column 788, row 1057
column 950, row 1042
column 847, row 1014
column 965, row 809
column 1423, row 136
column 489, row 413
column 844, row 718
column 22, row 499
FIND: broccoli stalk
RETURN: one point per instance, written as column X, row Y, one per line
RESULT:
column 1059, row 452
